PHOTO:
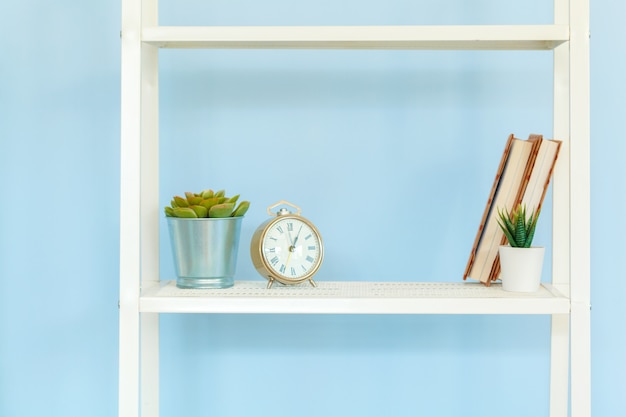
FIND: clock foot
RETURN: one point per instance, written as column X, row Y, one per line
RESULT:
column 313, row 284
column 270, row 283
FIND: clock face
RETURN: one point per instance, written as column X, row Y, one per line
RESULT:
column 292, row 249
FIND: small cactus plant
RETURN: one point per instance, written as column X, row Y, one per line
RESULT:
column 518, row 229
column 206, row 204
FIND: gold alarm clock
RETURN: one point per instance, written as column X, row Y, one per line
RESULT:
column 287, row 248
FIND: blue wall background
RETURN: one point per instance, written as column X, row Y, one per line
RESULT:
column 242, row 120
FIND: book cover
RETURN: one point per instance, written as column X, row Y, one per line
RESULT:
column 512, row 177
column 538, row 182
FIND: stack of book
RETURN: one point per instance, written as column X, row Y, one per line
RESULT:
column 523, row 177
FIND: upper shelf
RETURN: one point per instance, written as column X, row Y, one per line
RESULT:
column 352, row 298
column 485, row 37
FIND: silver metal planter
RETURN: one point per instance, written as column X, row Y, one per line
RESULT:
column 205, row 251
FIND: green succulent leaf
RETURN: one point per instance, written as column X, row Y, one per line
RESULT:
column 207, row 194
column 209, row 202
column 194, row 201
column 181, row 202
column 518, row 228
column 532, row 226
column 201, row 211
column 506, row 225
column 221, row 210
column 241, row 209
column 185, row 212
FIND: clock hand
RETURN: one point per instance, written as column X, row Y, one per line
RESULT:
column 288, row 257
column 292, row 248
column 297, row 236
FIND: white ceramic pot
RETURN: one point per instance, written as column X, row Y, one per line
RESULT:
column 520, row 268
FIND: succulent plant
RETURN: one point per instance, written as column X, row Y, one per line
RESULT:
column 206, row 204
column 517, row 227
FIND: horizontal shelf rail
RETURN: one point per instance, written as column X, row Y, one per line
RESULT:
column 353, row 298
column 470, row 37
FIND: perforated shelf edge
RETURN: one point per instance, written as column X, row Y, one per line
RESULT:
column 347, row 297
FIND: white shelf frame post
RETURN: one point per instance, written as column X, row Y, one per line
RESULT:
column 139, row 217
column 149, row 363
column 570, row 353
column 579, row 205
column 130, row 188
column 560, row 326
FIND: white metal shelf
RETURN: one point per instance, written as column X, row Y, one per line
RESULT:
column 348, row 297
column 143, row 297
column 471, row 37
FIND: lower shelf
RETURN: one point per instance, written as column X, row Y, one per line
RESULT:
column 343, row 297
